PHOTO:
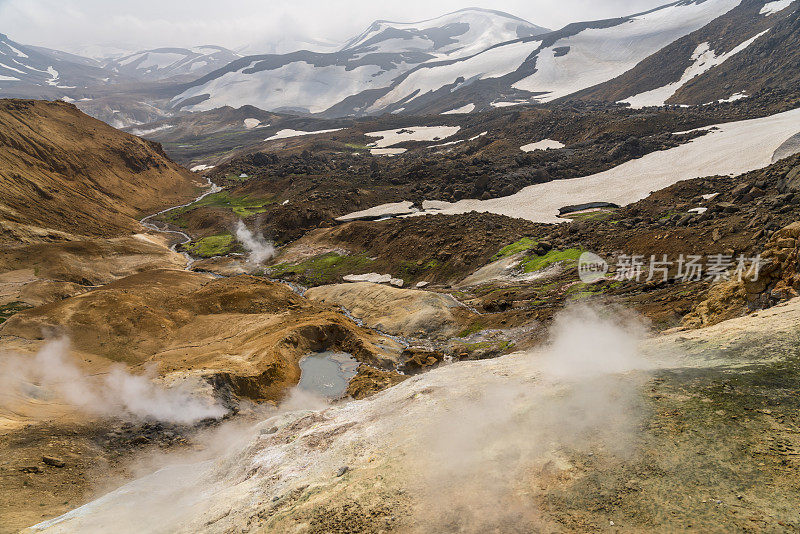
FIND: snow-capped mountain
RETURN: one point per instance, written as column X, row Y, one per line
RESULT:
column 163, row 63
column 753, row 47
column 479, row 58
column 36, row 72
column 455, row 35
column 365, row 66
column 688, row 52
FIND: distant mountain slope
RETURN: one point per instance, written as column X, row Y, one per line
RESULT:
column 62, row 172
column 163, row 63
column 395, row 67
column 755, row 46
column 587, row 54
column 42, row 73
column 689, row 52
column 371, row 62
column 459, row 34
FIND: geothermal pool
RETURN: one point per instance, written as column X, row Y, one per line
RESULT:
column 327, row 373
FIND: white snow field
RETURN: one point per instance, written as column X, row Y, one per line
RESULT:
column 770, row 8
column 789, row 147
column 598, row 55
column 469, row 108
column 301, row 85
column 387, row 151
column 251, row 123
column 298, row 85
column 384, row 210
column 704, row 59
column 544, row 144
column 390, row 138
column 733, row 98
column 200, row 168
column 492, row 63
column 486, row 28
column 288, row 132
column 731, row 149
column 508, row 104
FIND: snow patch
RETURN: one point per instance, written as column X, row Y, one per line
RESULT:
column 17, row 51
column 288, row 132
column 199, row 168
column 544, row 144
column 386, row 210
column 388, row 138
column 596, row 55
column 703, row 60
column 507, row 104
column 733, row 149
column 733, row 98
column 251, row 123
column 770, row 8
column 469, row 108
column 387, row 151
column 493, row 63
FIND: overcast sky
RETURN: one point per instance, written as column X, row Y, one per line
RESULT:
column 262, row 25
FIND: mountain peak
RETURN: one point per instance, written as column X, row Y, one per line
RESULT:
column 466, row 31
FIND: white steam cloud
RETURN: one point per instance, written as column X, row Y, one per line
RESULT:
column 118, row 393
column 259, row 248
column 491, row 452
column 489, row 440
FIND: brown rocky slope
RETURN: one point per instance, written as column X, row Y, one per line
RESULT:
column 63, row 172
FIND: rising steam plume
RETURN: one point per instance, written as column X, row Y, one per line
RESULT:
column 260, row 250
column 118, row 393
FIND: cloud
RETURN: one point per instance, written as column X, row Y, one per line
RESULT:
column 275, row 26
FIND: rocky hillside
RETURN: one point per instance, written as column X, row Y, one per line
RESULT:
column 64, row 173
column 740, row 54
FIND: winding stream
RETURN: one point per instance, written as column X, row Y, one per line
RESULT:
column 184, row 237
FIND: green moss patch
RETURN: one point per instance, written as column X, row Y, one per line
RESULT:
column 243, row 206
column 522, row 245
column 537, row 263
column 594, row 216
column 474, row 328
column 215, row 245
column 323, row 269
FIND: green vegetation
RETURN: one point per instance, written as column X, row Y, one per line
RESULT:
column 474, row 328
column 215, row 245
column 241, row 206
column 356, row 146
column 409, row 270
column 237, row 177
column 7, row 310
column 323, row 269
column 594, row 216
column 537, row 263
column 522, row 245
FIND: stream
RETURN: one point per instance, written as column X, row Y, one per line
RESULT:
column 326, row 373
column 184, row 237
